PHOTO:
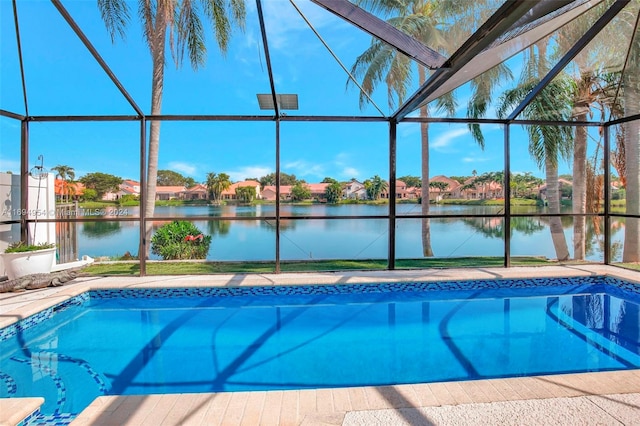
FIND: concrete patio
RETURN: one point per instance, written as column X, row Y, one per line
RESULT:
column 588, row 398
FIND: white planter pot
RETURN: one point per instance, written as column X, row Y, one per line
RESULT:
column 32, row 262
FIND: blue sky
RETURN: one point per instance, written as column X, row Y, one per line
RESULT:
column 63, row 79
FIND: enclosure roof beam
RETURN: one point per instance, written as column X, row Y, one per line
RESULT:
column 501, row 21
column 615, row 8
column 384, row 31
column 631, row 55
column 544, row 18
column 623, row 120
column 265, row 43
column 5, row 113
column 24, row 82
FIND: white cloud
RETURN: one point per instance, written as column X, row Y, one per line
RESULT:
column 284, row 23
column 248, row 172
column 474, row 160
column 343, row 161
column 306, row 170
column 184, row 168
column 342, row 158
column 298, row 164
column 350, row 172
column 445, row 139
column 339, row 167
column 408, row 130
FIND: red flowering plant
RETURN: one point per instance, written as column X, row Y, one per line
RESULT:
column 197, row 238
column 180, row 240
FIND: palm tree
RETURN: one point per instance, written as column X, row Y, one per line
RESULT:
column 546, row 143
column 435, row 24
column 333, row 192
column 380, row 62
column 631, row 130
column 523, row 184
column 593, row 90
column 216, row 183
column 66, row 174
column 375, row 186
column 245, row 193
column 300, row 191
column 180, row 23
column 440, row 186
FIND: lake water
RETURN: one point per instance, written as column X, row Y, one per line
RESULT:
column 304, row 237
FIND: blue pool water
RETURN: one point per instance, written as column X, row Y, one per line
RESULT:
column 207, row 340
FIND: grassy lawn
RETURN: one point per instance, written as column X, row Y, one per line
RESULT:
column 633, row 266
column 496, row 202
column 490, row 202
column 202, row 268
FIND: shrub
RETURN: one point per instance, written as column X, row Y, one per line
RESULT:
column 22, row 247
column 619, row 194
column 89, row 195
column 129, row 200
column 180, row 240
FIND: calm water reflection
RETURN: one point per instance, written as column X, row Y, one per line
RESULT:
column 308, row 238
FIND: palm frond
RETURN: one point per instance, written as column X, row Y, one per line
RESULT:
column 147, row 14
column 510, row 99
column 115, row 14
column 384, row 7
column 447, row 103
column 398, row 79
column 190, row 35
column 239, row 13
column 216, row 11
column 371, row 67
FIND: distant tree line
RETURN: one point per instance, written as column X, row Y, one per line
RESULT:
column 523, row 185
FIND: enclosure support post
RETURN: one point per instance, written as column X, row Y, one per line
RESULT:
column 607, row 195
column 507, row 197
column 391, row 261
column 277, row 195
column 142, row 250
column 24, row 181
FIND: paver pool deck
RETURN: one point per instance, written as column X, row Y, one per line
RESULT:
column 602, row 398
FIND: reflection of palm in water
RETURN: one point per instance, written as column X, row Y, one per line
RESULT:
column 494, row 228
column 116, row 237
column 100, row 229
column 218, row 227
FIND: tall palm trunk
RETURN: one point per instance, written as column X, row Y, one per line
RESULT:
column 553, row 199
column 579, row 192
column 631, row 142
column 631, row 252
column 157, row 83
column 551, row 171
column 427, row 251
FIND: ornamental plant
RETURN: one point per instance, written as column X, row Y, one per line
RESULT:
column 180, row 240
column 22, row 247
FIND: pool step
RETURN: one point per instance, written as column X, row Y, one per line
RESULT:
column 18, row 411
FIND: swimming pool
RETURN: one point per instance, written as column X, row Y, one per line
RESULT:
column 228, row 339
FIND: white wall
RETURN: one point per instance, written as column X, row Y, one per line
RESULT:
column 42, row 206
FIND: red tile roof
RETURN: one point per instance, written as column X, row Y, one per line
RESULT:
column 317, row 188
column 284, row 189
column 68, row 188
column 197, row 188
column 170, row 189
column 232, row 189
